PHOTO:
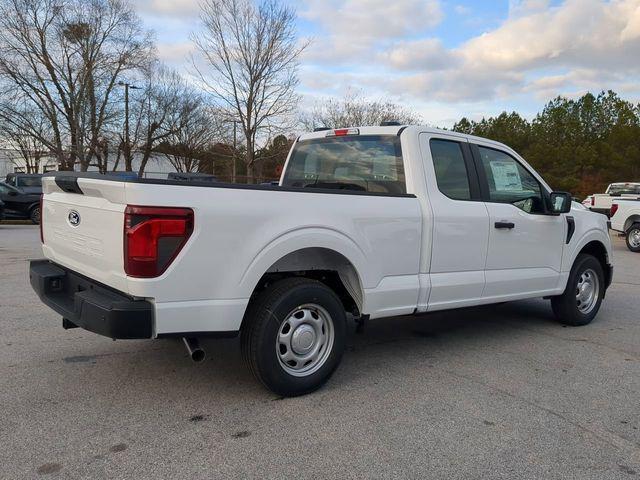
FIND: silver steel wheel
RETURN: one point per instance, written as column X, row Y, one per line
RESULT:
column 634, row 238
column 305, row 340
column 587, row 291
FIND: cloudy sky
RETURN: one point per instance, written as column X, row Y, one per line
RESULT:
column 447, row 58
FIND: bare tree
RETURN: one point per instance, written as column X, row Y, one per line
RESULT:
column 252, row 52
column 355, row 110
column 162, row 110
column 22, row 136
column 187, row 147
column 64, row 57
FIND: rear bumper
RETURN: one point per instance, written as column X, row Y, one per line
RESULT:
column 90, row 305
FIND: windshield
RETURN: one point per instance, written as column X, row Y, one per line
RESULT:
column 370, row 163
column 624, row 188
column 6, row 188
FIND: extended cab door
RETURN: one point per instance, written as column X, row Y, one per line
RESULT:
column 524, row 255
column 460, row 222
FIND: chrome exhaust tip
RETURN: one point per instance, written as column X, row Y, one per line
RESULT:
column 194, row 349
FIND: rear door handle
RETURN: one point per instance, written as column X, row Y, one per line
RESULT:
column 508, row 225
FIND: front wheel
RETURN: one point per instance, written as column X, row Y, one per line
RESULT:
column 633, row 238
column 293, row 336
column 581, row 300
column 34, row 215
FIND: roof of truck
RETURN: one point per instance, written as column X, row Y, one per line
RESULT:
column 398, row 129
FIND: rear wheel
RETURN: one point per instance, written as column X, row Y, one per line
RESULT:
column 294, row 335
column 34, row 215
column 581, row 300
column 633, row 238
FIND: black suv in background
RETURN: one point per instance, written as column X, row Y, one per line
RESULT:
column 19, row 204
column 26, row 182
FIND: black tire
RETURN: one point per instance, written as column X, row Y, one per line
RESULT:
column 631, row 237
column 34, row 215
column 566, row 307
column 265, row 321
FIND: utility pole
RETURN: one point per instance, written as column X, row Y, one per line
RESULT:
column 127, row 143
column 235, row 143
column 235, row 147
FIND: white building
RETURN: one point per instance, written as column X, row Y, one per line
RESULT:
column 10, row 162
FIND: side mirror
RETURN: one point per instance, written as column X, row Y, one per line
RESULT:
column 560, row 202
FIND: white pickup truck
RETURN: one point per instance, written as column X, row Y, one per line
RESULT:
column 366, row 222
column 601, row 202
column 625, row 218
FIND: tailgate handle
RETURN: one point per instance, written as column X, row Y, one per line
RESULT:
column 507, row 225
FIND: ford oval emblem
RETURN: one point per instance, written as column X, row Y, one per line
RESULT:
column 74, row 218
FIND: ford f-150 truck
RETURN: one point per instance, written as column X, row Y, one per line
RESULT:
column 366, row 222
column 601, row 202
column 625, row 219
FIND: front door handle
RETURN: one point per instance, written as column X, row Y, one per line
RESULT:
column 508, row 225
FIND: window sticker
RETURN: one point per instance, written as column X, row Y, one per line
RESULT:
column 506, row 176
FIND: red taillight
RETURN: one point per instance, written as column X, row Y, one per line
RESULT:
column 593, row 201
column 41, row 219
column 153, row 237
column 614, row 209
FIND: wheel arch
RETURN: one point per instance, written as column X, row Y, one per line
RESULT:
column 326, row 255
column 635, row 218
column 325, row 265
column 597, row 249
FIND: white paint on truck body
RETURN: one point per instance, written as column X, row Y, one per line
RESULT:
column 416, row 252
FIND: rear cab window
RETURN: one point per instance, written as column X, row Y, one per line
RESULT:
column 365, row 163
column 624, row 189
column 29, row 181
column 452, row 176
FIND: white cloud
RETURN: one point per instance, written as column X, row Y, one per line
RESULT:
column 426, row 54
column 374, row 18
column 538, row 50
column 583, row 33
column 352, row 28
column 182, row 8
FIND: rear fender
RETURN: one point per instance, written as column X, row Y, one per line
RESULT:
column 299, row 239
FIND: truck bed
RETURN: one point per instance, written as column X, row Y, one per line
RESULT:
column 258, row 224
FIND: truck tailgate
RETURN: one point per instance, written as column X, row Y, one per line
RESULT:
column 83, row 230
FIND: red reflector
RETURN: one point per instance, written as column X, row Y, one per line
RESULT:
column 153, row 237
column 41, row 219
column 614, row 209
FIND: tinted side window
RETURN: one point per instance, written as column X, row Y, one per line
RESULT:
column 451, row 171
column 29, row 181
column 510, row 182
column 371, row 163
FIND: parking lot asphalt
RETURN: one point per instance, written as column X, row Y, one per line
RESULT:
column 484, row 393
